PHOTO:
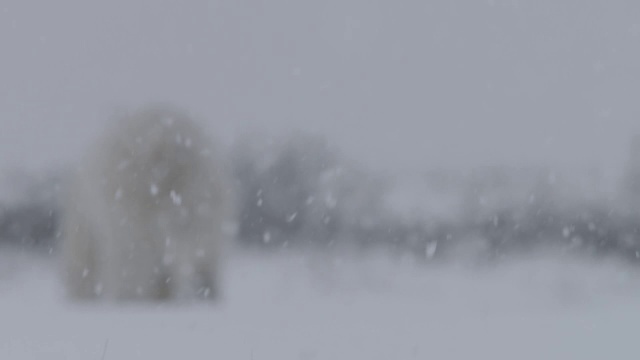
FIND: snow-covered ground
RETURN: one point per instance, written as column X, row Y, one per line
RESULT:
column 316, row 307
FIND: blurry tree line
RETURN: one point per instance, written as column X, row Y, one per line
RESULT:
column 30, row 208
column 299, row 191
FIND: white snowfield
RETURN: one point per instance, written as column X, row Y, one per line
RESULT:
column 313, row 307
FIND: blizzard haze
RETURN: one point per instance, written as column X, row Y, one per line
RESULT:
column 416, row 84
column 461, row 103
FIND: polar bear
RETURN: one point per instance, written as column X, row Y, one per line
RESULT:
column 147, row 212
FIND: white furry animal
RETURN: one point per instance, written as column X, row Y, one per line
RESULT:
column 146, row 213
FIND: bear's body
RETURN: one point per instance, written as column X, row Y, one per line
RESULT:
column 146, row 213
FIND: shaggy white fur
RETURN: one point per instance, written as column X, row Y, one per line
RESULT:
column 147, row 212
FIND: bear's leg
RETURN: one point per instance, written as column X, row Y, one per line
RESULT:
column 163, row 286
column 207, row 281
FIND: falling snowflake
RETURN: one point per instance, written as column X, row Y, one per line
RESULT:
column 331, row 201
column 123, row 165
column 206, row 292
column 431, row 249
column 168, row 121
column 118, row 194
column 177, row 199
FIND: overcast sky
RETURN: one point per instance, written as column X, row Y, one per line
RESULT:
column 410, row 83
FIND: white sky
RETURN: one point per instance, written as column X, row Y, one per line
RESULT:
column 409, row 83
